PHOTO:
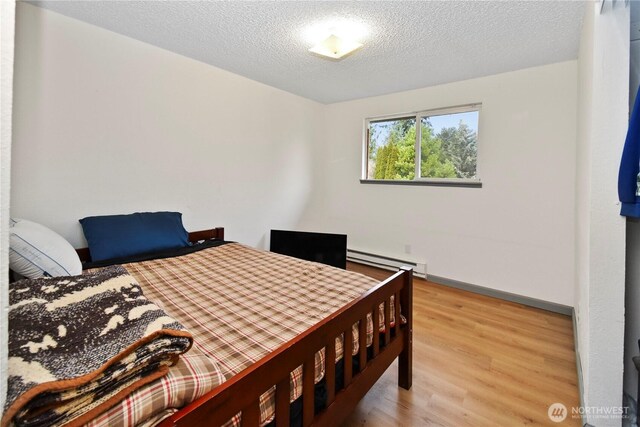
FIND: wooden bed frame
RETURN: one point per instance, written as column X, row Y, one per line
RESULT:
column 242, row 392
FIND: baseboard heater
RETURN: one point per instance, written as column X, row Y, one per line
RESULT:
column 385, row 262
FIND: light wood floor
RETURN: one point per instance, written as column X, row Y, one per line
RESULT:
column 477, row 361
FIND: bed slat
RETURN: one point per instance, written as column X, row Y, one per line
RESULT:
column 251, row 415
column 376, row 329
column 308, row 398
column 362, row 343
column 347, row 356
column 387, row 322
column 330, row 370
column 396, row 306
column 283, row 396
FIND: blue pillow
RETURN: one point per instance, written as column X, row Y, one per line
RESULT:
column 114, row 236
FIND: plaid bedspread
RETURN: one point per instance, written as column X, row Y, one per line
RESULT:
column 240, row 304
column 193, row 376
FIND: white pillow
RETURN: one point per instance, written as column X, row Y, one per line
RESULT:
column 36, row 251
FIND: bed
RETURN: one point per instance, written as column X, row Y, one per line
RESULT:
column 264, row 383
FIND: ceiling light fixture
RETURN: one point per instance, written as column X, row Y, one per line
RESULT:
column 335, row 38
column 335, row 47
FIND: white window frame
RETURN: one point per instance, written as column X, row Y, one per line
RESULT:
column 419, row 115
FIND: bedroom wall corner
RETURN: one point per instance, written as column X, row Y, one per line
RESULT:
column 7, row 31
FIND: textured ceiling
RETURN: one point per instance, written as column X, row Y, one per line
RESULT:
column 407, row 45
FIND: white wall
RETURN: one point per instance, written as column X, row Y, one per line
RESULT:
column 603, row 71
column 632, row 288
column 515, row 233
column 7, row 26
column 104, row 124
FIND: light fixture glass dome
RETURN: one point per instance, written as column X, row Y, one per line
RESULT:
column 335, row 47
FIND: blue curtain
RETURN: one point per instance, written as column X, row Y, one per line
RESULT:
column 630, row 165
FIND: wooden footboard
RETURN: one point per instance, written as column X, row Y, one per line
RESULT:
column 242, row 392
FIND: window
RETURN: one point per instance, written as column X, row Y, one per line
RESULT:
column 428, row 147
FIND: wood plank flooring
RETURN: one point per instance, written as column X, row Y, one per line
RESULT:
column 477, row 361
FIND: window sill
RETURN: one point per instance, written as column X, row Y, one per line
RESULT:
column 469, row 183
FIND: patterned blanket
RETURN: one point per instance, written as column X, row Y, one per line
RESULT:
column 78, row 345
